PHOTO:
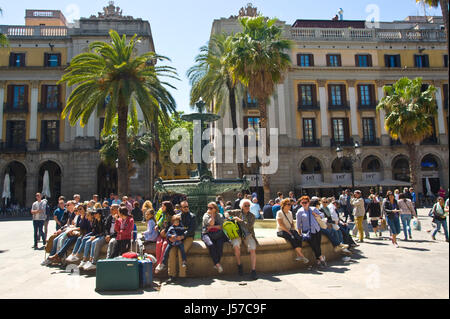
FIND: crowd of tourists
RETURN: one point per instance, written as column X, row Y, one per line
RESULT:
column 90, row 226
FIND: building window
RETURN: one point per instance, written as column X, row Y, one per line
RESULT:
column 392, row 60
column 251, row 122
column 366, row 94
column 17, row 59
column 368, row 126
column 307, row 95
column 337, row 95
column 446, row 96
column 50, row 96
column 49, row 134
column 309, row 130
column 15, row 134
column 333, row 60
column 363, row 60
column 305, row 60
column 17, row 96
column 52, row 59
column 340, row 130
column 446, row 61
column 421, row 61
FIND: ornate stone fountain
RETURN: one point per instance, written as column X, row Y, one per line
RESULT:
column 201, row 188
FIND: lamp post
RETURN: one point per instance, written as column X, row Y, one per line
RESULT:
column 352, row 158
column 249, row 165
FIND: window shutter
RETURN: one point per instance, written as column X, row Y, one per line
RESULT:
column 44, row 95
column 298, row 59
column 357, row 60
column 332, row 129
column 11, row 59
column 328, row 60
column 372, row 94
column 369, row 60
column 339, row 60
column 346, row 129
column 415, row 60
column 43, row 132
column 358, row 88
column 344, row 94
column 57, row 131
column 26, row 94
column 329, row 95
column 311, row 59
column 22, row 59
column 313, row 121
column 45, row 59
column 299, row 93
column 59, row 94
column 386, row 60
column 398, row 61
column 426, row 61
column 314, row 94
column 59, row 59
column 10, row 94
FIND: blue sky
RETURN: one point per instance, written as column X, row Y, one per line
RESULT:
column 181, row 27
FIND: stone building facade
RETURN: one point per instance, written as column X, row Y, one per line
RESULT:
column 329, row 97
column 33, row 137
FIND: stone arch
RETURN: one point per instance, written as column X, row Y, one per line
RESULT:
column 401, row 168
column 18, row 182
column 341, row 166
column 431, row 169
column 55, row 177
column 311, row 165
column 372, row 163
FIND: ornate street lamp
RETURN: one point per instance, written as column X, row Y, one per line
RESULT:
column 352, row 158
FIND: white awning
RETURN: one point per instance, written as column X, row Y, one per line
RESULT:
column 386, row 182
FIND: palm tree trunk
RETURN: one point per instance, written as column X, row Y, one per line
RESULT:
column 122, row 169
column 234, row 124
column 265, row 177
column 412, row 164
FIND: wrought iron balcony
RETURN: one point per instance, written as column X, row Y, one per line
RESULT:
column 371, row 106
column 344, row 106
column 346, row 142
column 371, row 142
column 312, row 107
column 46, row 108
column 432, row 140
column 11, row 108
column 395, row 142
column 308, row 143
column 13, row 147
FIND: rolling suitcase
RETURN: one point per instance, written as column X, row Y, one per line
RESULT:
column 117, row 274
column 145, row 273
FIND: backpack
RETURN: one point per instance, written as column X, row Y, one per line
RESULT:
column 231, row 230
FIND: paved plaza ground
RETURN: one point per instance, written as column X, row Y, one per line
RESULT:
column 418, row 269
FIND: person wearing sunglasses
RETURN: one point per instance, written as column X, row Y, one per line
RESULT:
column 246, row 221
column 212, row 234
column 309, row 229
column 189, row 223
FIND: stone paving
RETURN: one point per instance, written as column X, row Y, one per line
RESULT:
column 418, row 269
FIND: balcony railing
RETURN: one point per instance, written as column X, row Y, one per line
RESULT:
column 432, row 140
column 371, row 142
column 13, row 147
column 371, row 106
column 344, row 106
column 44, row 146
column 312, row 107
column 46, row 108
column 308, row 143
column 11, row 108
column 21, row 31
column 372, row 35
column 395, row 142
column 346, row 142
column 249, row 105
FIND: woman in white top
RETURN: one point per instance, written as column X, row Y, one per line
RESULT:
column 286, row 229
column 407, row 211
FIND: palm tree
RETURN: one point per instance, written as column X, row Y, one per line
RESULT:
column 259, row 59
column 112, row 77
column 444, row 8
column 409, row 115
column 3, row 39
column 211, row 80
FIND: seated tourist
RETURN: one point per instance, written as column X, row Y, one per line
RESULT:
column 151, row 234
column 339, row 225
column 246, row 221
column 96, row 237
column 110, row 233
column 124, row 227
column 212, row 234
column 174, row 236
column 136, row 212
column 286, row 229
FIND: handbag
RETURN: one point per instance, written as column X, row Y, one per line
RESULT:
column 215, row 235
column 383, row 224
column 321, row 223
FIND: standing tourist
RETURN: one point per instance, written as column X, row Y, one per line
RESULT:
column 212, row 234
column 392, row 211
column 440, row 218
column 359, row 211
column 267, row 210
column 276, row 208
column 38, row 210
column 374, row 209
column 255, row 208
column 246, row 222
column 309, row 229
column 441, row 192
column 286, row 229
column 406, row 213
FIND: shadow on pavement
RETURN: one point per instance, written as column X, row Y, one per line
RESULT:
column 4, row 251
column 413, row 248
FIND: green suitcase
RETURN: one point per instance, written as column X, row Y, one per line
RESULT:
column 119, row 274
